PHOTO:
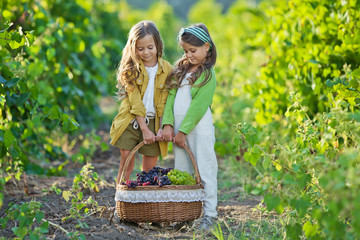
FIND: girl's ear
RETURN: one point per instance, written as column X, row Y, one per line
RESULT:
column 207, row 46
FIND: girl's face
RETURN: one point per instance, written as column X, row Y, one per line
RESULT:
column 146, row 50
column 196, row 55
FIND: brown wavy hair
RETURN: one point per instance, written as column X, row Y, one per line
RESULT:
column 183, row 65
column 129, row 67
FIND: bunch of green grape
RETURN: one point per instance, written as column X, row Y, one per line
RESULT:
column 178, row 177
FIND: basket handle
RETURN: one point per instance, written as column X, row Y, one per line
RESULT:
column 187, row 149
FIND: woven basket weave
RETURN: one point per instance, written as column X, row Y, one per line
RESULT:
column 170, row 210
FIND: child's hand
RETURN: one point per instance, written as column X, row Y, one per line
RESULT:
column 168, row 133
column 180, row 139
column 158, row 136
column 148, row 136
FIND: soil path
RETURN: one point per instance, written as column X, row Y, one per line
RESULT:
column 232, row 212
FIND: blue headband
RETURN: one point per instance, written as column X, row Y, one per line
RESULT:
column 197, row 32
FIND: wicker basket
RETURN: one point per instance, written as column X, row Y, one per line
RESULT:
column 172, row 209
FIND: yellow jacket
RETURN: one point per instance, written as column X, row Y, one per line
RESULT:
column 132, row 104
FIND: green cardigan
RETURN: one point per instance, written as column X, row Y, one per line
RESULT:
column 201, row 99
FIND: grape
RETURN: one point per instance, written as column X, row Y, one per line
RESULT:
column 155, row 176
column 178, row 177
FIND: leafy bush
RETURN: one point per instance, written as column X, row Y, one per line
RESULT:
column 306, row 131
column 30, row 220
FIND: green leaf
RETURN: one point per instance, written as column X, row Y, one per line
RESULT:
column 288, row 179
column 2, row 150
column 329, row 83
column 2, row 79
column 15, row 44
column 22, row 99
column 14, row 151
column 355, row 116
column 293, row 231
column 104, row 146
column 19, row 231
column 12, row 82
column 303, row 179
column 53, row 112
column 252, row 157
column 80, row 195
column 34, row 236
column 309, row 229
column 6, row 73
column 50, row 53
column 30, row 38
column 16, row 37
column 356, row 72
column 273, row 203
column 3, row 221
column 39, row 216
column 44, row 227
column 66, row 195
column 3, row 41
column 266, row 162
column 300, row 205
column 251, row 136
column 11, row 98
column 8, row 138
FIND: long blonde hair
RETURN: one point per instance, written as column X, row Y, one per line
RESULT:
column 129, row 67
column 183, row 65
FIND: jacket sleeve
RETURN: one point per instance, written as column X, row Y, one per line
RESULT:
column 168, row 117
column 200, row 103
column 136, row 105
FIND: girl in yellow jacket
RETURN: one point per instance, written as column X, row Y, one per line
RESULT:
column 141, row 80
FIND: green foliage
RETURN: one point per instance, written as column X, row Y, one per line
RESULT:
column 29, row 218
column 84, row 182
column 52, row 73
column 305, row 134
column 236, row 65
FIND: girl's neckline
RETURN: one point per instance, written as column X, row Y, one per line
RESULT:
column 152, row 66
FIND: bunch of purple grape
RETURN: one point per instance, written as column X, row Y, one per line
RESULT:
column 155, row 176
column 130, row 183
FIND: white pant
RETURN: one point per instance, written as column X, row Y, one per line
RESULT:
column 201, row 142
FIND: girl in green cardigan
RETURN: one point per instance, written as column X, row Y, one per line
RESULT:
column 187, row 115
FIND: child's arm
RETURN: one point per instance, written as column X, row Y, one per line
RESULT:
column 138, row 109
column 168, row 117
column 148, row 136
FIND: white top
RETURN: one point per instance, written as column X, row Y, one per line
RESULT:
column 148, row 99
column 183, row 96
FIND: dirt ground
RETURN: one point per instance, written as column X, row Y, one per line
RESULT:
column 103, row 225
